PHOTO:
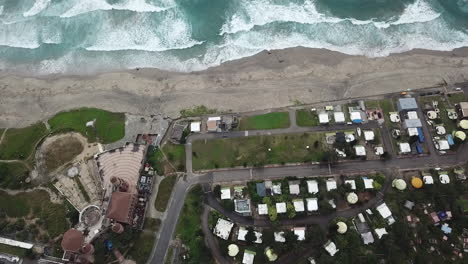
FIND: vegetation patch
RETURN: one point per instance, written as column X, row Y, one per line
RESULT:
column 36, row 205
column 170, row 159
column 19, row 143
column 109, row 127
column 142, row 247
column 306, row 118
column 164, row 193
column 13, row 175
column 61, row 151
column 259, row 150
column 197, row 111
column 456, row 98
column 16, row 251
column 189, row 227
column 82, row 188
column 266, row 121
column 152, row 224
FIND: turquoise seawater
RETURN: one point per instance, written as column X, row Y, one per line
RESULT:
column 86, row 36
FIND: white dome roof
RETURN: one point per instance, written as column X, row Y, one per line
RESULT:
column 342, row 227
column 399, row 184
column 352, row 198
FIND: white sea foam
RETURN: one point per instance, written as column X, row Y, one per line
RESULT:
column 137, row 34
column 85, row 6
column 19, row 36
column 259, row 13
column 38, row 7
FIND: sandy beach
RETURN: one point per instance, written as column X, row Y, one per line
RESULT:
column 267, row 80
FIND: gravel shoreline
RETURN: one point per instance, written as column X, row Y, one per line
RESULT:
column 267, row 80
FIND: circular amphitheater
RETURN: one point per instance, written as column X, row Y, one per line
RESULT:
column 124, row 163
column 90, row 215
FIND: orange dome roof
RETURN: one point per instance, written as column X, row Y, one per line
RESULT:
column 417, row 183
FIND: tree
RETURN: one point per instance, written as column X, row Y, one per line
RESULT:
column 272, row 213
column 290, row 210
column 250, row 236
column 217, row 191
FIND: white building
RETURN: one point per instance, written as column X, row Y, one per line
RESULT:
column 368, row 183
column 367, row 238
column 379, row 150
column 444, row 179
column 225, row 193
column 223, row 228
column 243, row 232
column 312, row 204
column 300, row 233
column 330, row 247
column 262, row 209
column 248, row 257
column 323, row 118
column 412, row 115
column 428, row 179
column 369, row 135
column 298, row 205
column 276, row 188
column 352, row 183
column 360, row 150
column 281, row 208
column 404, row 147
column 312, row 186
column 385, row 212
column 380, row 232
column 331, row 184
column 339, row 117
column 195, row 127
column 442, row 144
column 294, row 187
column 412, row 131
column 279, row 237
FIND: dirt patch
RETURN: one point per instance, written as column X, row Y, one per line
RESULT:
column 59, row 150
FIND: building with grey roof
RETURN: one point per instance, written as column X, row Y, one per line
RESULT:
column 407, row 104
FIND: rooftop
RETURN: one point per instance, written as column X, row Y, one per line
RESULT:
column 312, row 186
column 223, row 228
column 121, row 207
column 72, row 240
column 407, row 104
column 331, row 184
column 281, row 208
column 298, row 205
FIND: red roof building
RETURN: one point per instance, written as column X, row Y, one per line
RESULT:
column 121, row 207
column 72, row 240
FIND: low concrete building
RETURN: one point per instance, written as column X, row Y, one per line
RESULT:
column 312, row 186
column 195, row 127
column 463, row 109
column 312, row 204
column 360, row 150
column 262, row 209
column 412, row 115
column 368, row 183
column 339, row 117
column 223, row 228
column 404, row 148
column 369, row 135
column 294, row 187
column 352, row 183
column 248, row 257
column 242, row 206
column 323, row 118
column 385, row 212
column 407, row 104
column 428, row 179
column 442, row 144
column 330, row 247
column 279, row 237
column 331, row 184
column 298, row 205
column 276, row 189
column 300, row 233
column 280, row 208
column 413, row 131
column 225, row 193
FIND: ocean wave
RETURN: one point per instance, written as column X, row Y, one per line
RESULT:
column 86, row 6
column 39, row 6
column 137, row 33
column 260, row 13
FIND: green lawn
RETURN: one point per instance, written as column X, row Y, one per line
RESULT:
column 152, row 224
column 164, row 193
column 266, row 121
column 456, row 98
column 19, row 143
column 306, row 118
column 16, row 251
column 110, row 127
column 13, row 175
column 253, row 151
column 142, row 247
column 175, row 158
column 36, row 204
column 189, row 227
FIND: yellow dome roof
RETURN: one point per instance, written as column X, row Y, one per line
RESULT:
column 417, row 183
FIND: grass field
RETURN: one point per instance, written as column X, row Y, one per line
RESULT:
column 19, row 143
column 253, row 151
column 61, row 151
column 464, row 204
column 306, row 118
column 36, row 204
column 456, row 98
column 16, row 251
column 141, row 249
column 13, row 175
column 266, row 121
column 109, row 127
column 175, row 158
column 189, row 227
column 152, row 224
column 164, row 193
